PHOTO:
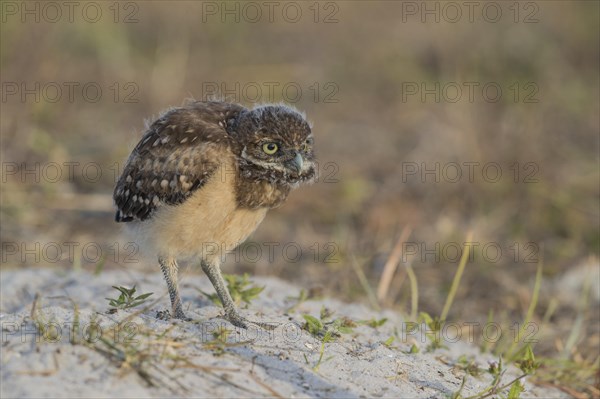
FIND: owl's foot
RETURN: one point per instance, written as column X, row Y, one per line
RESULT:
column 166, row 315
column 239, row 321
column 181, row 316
column 163, row 315
column 265, row 326
column 213, row 272
column 234, row 318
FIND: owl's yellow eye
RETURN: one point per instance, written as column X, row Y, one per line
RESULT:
column 306, row 145
column 270, row 148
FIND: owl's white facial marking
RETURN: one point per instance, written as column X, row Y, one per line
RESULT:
column 262, row 163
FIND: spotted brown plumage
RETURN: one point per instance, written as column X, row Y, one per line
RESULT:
column 173, row 159
column 204, row 175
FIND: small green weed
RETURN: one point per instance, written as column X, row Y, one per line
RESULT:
column 433, row 332
column 515, row 387
column 127, row 298
column 323, row 325
column 468, row 366
column 219, row 342
column 374, row 323
column 303, row 296
column 326, row 330
column 388, row 342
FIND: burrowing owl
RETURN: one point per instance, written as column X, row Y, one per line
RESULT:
column 202, row 178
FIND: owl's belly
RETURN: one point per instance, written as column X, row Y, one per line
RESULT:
column 208, row 224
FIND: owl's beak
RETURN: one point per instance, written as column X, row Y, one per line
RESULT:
column 297, row 162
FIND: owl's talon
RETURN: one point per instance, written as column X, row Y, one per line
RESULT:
column 163, row 315
column 240, row 321
column 182, row 316
column 265, row 326
column 166, row 315
column 237, row 320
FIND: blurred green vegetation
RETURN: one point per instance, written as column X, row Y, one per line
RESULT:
column 365, row 62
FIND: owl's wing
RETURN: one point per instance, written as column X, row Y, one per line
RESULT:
column 176, row 156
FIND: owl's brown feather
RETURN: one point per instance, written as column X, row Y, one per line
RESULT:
column 176, row 156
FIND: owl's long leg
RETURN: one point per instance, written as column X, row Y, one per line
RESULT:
column 169, row 268
column 213, row 271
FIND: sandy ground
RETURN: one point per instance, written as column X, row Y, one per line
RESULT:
column 150, row 357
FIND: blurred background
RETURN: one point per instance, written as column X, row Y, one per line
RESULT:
column 432, row 119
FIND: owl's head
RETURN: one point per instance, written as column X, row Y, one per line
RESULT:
column 275, row 143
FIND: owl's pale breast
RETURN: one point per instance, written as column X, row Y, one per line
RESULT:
column 208, row 224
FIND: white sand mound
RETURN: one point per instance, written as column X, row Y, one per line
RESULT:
column 149, row 357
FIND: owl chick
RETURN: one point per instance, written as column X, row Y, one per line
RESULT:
column 203, row 177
